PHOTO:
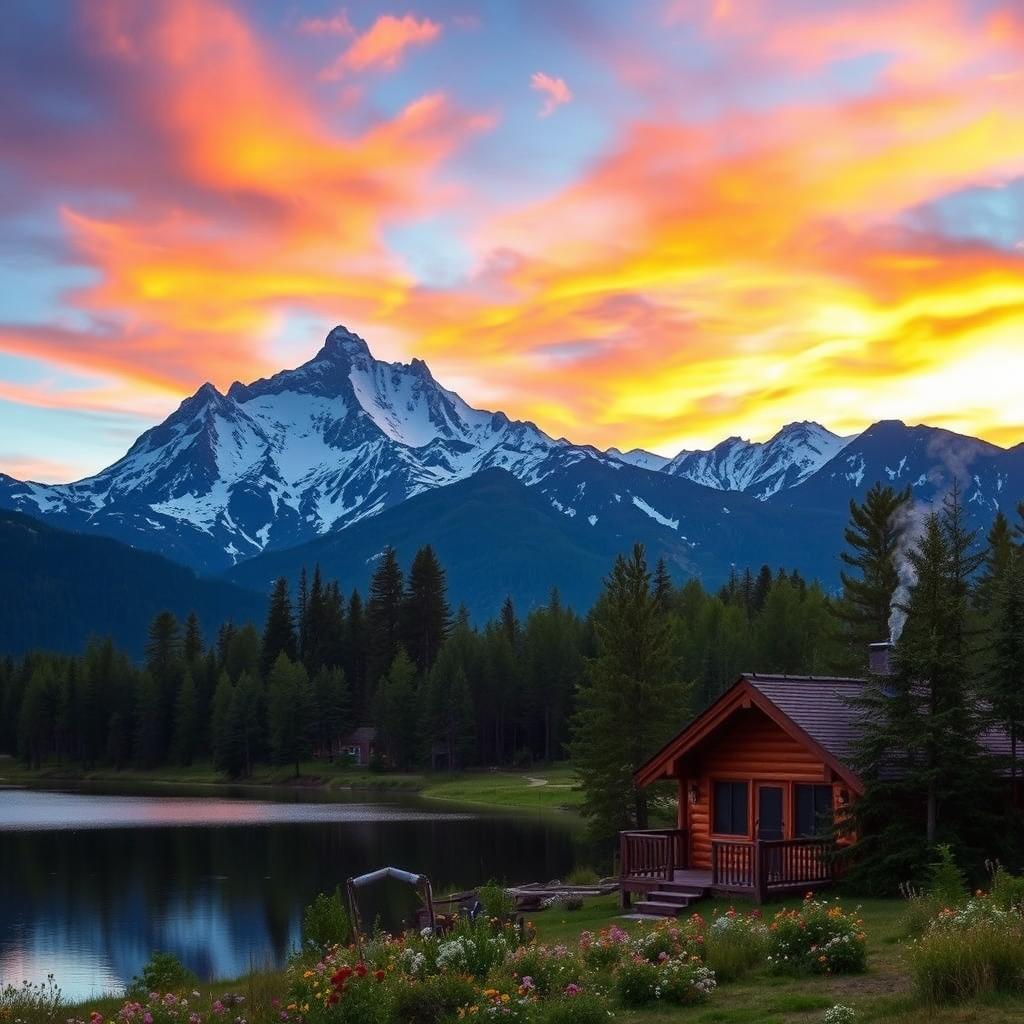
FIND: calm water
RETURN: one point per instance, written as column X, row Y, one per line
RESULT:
column 92, row 883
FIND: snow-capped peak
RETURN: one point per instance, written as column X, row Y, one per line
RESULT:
column 761, row 467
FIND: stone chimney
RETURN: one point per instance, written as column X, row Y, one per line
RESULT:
column 879, row 658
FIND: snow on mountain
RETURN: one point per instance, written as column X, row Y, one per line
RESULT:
column 277, row 461
column 640, row 458
column 761, row 468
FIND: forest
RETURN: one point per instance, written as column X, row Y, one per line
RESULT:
column 605, row 688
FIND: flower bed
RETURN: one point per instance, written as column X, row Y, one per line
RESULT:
column 819, row 937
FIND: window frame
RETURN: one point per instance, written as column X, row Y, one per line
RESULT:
column 715, row 782
column 815, row 788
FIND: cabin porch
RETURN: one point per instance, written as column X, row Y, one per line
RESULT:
column 655, row 864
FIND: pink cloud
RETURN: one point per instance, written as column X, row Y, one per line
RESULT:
column 555, row 91
column 336, row 25
column 383, row 45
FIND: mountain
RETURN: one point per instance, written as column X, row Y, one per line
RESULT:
column 762, row 469
column 496, row 537
column 927, row 459
column 347, row 442
column 59, row 588
column 274, row 463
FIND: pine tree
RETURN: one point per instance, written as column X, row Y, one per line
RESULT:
column 397, row 712
column 354, row 661
column 663, row 590
column 37, row 715
column 301, row 614
column 279, row 631
column 998, row 553
column 333, row 709
column 1004, row 661
column 192, row 648
column 290, row 711
column 164, row 665
column 383, row 618
column 875, row 533
column 186, row 721
column 426, row 617
column 621, row 716
column 220, row 711
column 927, row 778
column 762, row 585
column 149, row 722
column 509, row 622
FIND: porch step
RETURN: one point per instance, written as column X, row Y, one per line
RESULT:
column 682, row 899
column 655, row 908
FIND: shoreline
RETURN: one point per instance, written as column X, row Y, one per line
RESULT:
column 550, row 790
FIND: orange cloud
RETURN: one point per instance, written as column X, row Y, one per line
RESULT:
column 555, row 91
column 383, row 45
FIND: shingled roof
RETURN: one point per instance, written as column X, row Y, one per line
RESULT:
column 817, row 704
column 815, row 710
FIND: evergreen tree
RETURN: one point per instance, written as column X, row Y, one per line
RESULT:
column 509, row 622
column 220, row 711
column 875, row 533
column 354, row 661
column 1004, row 663
column 383, row 618
column 927, row 778
column 186, row 721
column 242, row 655
column 164, row 665
column 192, row 648
column 290, row 712
column 149, row 722
column 426, row 617
column 397, row 712
column 279, row 632
column 333, row 709
column 762, row 585
column 37, row 715
column 998, row 553
column 621, row 717
column 663, row 590
column 447, row 712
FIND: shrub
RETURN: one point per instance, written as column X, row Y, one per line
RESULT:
column 474, row 948
column 1007, row 889
column 546, row 969
column 496, row 901
column 636, row 982
column 163, row 972
column 432, row 1001
column 969, row 951
column 735, row 944
column 946, row 882
column 671, row 938
column 582, row 876
column 820, row 937
column 601, row 952
column 325, row 921
column 576, row 1007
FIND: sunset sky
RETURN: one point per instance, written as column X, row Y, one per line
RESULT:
column 652, row 224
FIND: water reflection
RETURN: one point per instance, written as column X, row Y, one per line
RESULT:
column 91, row 885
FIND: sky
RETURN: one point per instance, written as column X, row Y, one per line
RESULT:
column 653, row 224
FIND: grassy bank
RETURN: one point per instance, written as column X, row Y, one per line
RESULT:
column 540, row 789
column 882, row 994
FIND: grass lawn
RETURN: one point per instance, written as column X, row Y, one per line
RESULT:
column 542, row 789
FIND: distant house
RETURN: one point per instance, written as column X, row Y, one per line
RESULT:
column 760, row 774
column 358, row 746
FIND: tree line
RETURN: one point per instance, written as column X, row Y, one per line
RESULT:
column 442, row 691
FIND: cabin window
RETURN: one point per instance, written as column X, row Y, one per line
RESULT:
column 813, row 810
column 731, row 817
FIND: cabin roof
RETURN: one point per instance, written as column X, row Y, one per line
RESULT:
column 814, row 710
column 811, row 709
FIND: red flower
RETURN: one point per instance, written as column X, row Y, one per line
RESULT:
column 360, row 969
column 379, row 975
column 333, row 998
column 340, row 976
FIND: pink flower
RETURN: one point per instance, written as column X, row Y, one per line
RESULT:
column 218, row 1006
column 147, row 1018
column 572, row 989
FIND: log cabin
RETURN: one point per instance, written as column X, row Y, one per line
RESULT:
column 760, row 775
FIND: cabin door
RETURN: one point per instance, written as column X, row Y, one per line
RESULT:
column 770, row 825
column 769, row 812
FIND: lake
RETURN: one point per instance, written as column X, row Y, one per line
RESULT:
column 91, row 883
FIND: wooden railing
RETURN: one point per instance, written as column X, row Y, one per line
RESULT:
column 770, row 864
column 733, row 864
column 652, row 854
